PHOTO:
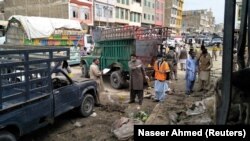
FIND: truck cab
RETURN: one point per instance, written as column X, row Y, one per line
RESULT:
column 41, row 92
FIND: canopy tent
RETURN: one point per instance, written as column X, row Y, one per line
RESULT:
column 41, row 27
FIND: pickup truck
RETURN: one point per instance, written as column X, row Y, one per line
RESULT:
column 39, row 94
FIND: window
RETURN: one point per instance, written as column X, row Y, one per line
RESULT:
column 59, row 80
column 153, row 17
column 123, row 1
column 157, row 17
column 84, row 13
column 118, row 1
column 153, row 5
column 122, row 13
column 149, row 4
column 157, row 5
column 126, row 15
column 139, row 18
column 98, row 11
column 111, row 13
column 145, row 16
column 131, row 16
column 148, row 17
column 117, row 12
column 134, row 17
column 127, row 2
column 145, row 2
column 74, row 11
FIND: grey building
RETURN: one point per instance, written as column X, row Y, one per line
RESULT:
column 198, row 21
column 148, row 12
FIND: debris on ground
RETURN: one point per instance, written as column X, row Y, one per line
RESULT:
column 93, row 114
column 123, row 128
column 142, row 116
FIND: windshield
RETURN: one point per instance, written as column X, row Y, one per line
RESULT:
column 89, row 40
column 217, row 39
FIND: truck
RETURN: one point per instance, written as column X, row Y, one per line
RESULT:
column 28, row 30
column 33, row 94
column 115, row 45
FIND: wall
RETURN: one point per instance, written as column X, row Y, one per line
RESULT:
column 43, row 8
column 82, row 10
column 159, row 12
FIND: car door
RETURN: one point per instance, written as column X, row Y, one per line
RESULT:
column 65, row 96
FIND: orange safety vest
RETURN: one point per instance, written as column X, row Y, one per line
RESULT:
column 161, row 70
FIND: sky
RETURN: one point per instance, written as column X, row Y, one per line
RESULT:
column 217, row 7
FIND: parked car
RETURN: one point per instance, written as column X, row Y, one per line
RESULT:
column 216, row 41
column 206, row 42
column 39, row 95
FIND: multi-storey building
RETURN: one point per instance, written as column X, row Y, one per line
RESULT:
column 135, row 12
column 81, row 10
column 159, row 12
column 148, row 13
column 198, row 21
column 122, row 12
column 173, row 15
column 104, row 12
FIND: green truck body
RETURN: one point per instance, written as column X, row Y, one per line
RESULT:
column 115, row 47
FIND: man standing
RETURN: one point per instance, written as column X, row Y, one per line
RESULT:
column 214, row 52
column 137, row 75
column 205, row 65
column 171, row 60
column 183, row 57
column 191, row 66
column 96, row 74
column 161, row 68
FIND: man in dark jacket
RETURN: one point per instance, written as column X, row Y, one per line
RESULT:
column 137, row 75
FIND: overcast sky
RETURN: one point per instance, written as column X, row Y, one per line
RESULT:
column 217, row 7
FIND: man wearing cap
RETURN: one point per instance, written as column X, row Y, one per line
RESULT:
column 137, row 74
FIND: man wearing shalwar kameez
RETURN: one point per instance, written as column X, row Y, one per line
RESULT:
column 161, row 68
column 191, row 69
column 137, row 75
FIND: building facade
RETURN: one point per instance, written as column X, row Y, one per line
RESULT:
column 219, row 28
column 173, row 15
column 135, row 12
column 198, row 21
column 104, row 13
column 122, row 12
column 159, row 12
column 148, row 13
column 81, row 10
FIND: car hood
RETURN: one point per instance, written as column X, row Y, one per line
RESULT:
column 83, row 80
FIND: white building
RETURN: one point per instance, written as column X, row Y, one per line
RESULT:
column 104, row 12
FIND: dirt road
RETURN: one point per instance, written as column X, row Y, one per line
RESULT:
column 72, row 127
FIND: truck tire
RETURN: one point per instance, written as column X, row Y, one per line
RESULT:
column 7, row 136
column 87, row 105
column 116, row 80
column 84, row 71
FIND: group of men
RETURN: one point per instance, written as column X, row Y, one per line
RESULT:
column 197, row 63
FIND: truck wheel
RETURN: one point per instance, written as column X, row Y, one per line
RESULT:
column 84, row 71
column 87, row 105
column 7, row 136
column 116, row 80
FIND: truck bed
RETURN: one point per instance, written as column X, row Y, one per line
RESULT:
column 25, row 73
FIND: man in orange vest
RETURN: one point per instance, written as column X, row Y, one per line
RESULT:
column 161, row 68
